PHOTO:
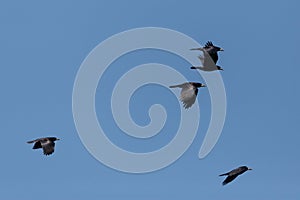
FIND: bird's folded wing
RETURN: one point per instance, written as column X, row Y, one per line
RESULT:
column 229, row 179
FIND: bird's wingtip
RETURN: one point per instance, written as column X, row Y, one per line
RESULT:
column 192, row 49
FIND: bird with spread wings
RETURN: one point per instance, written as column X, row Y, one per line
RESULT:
column 209, row 58
column 46, row 143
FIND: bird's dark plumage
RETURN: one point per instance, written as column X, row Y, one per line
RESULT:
column 234, row 173
column 212, row 50
column 46, row 143
column 210, row 56
column 189, row 93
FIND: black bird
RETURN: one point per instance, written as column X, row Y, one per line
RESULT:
column 234, row 173
column 188, row 93
column 46, row 143
column 211, row 50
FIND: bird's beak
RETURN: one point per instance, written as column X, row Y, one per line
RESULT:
column 203, row 85
column 221, row 49
column 57, row 139
column 250, row 169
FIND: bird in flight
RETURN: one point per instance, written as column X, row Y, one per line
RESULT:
column 207, row 64
column 234, row 173
column 188, row 93
column 46, row 143
column 211, row 49
column 209, row 58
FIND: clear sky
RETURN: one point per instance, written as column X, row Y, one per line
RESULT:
column 43, row 44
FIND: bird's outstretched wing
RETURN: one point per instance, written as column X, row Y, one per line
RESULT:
column 37, row 143
column 202, row 59
column 229, row 179
column 32, row 141
column 209, row 57
column 208, row 44
column 188, row 95
column 200, row 49
column 183, row 85
column 225, row 174
column 188, row 102
column 207, row 63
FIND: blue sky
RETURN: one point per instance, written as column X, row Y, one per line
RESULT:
column 43, row 44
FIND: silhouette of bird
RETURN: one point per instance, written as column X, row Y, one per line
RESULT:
column 209, row 58
column 46, row 143
column 234, row 173
column 188, row 93
column 211, row 50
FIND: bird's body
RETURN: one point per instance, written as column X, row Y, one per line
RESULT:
column 209, row 58
column 188, row 93
column 234, row 173
column 46, row 143
column 211, row 49
column 207, row 64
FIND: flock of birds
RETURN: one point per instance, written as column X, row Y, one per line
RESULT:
column 209, row 60
column 189, row 91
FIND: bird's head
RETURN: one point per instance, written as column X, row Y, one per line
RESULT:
column 209, row 44
column 246, row 168
column 216, row 49
column 198, row 84
column 220, row 68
